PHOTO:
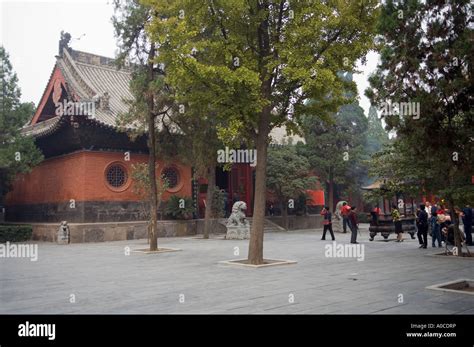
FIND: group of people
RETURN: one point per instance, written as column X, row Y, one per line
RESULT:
column 349, row 218
column 428, row 217
column 438, row 219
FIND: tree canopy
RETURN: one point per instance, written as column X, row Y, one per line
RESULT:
column 256, row 63
column 18, row 154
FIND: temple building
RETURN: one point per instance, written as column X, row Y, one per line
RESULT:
column 85, row 176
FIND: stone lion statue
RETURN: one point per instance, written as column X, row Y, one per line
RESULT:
column 237, row 218
column 63, row 233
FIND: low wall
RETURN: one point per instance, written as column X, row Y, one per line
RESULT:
column 299, row 222
column 100, row 232
column 79, row 212
column 119, row 231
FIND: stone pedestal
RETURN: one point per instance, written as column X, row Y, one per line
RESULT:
column 238, row 233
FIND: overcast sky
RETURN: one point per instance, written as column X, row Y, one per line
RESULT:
column 30, row 32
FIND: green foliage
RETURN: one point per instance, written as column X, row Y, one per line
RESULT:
column 18, row 154
column 253, row 64
column 288, row 173
column 179, row 207
column 15, row 233
column 142, row 187
column 300, row 204
column 335, row 148
column 377, row 136
column 141, row 181
column 218, row 203
column 308, row 44
column 427, row 58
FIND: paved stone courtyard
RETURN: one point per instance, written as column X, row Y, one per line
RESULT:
column 103, row 279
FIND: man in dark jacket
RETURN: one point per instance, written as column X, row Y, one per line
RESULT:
column 422, row 225
column 467, row 221
column 353, row 224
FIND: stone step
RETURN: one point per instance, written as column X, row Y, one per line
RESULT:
column 268, row 226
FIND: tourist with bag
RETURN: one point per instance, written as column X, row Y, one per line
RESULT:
column 397, row 221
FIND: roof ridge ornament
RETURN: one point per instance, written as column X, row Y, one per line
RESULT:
column 104, row 101
column 64, row 40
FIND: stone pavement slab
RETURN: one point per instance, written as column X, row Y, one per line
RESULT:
column 101, row 278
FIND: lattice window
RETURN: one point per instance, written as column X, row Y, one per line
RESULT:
column 172, row 176
column 116, row 176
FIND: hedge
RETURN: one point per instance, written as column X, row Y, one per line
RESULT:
column 15, row 233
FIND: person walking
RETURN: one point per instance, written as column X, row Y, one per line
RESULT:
column 428, row 209
column 353, row 224
column 397, row 221
column 442, row 220
column 435, row 229
column 327, row 222
column 345, row 211
column 467, row 222
column 422, row 224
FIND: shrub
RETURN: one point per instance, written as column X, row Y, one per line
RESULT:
column 179, row 207
column 218, row 203
column 15, row 233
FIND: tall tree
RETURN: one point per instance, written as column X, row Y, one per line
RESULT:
column 288, row 176
column 189, row 129
column 426, row 63
column 260, row 62
column 18, row 154
column 334, row 147
column 377, row 136
column 149, row 107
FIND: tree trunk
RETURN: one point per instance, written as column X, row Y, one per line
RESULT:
column 152, row 158
column 256, row 235
column 255, row 255
column 331, row 191
column 153, row 187
column 211, row 183
column 284, row 213
column 457, row 232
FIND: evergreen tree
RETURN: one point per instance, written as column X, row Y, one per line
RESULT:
column 288, row 176
column 426, row 61
column 335, row 148
column 377, row 136
column 18, row 154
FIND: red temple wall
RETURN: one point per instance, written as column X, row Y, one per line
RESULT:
column 81, row 176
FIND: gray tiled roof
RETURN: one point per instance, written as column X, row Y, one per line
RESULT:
column 89, row 76
column 114, row 82
column 43, row 128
